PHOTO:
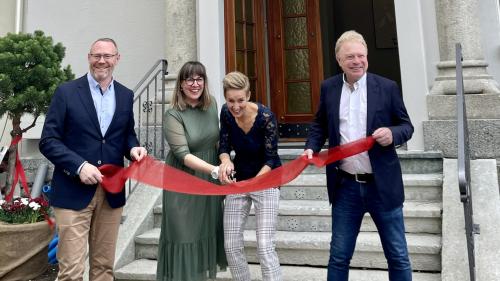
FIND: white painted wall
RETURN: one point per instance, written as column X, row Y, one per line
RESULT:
column 137, row 27
column 7, row 24
column 489, row 13
column 430, row 39
column 7, row 16
column 418, row 55
column 211, row 48
column 5, row 128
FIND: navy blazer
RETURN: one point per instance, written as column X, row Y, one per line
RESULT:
column 71, row 135
column 385, row 108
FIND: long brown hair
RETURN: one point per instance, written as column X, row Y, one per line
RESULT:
column 190, row 69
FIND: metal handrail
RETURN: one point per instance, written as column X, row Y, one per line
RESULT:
column 463, row 160
column 146, row 101
column 164, row 65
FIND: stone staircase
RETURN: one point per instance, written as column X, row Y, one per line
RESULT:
column 304, row 227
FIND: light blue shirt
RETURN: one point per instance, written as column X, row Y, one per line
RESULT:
column 105, row 102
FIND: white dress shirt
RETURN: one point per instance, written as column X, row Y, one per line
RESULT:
column 352, row 116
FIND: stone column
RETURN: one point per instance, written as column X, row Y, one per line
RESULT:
column 180, row 17
column 181, row 45
column 458, row 22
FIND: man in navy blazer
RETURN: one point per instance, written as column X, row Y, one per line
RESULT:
column 354, row 105
column 90, row 122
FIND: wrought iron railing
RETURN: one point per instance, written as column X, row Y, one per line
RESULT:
column 464, row 165
column 149, row 105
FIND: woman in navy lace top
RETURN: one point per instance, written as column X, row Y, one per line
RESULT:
column 250, row 130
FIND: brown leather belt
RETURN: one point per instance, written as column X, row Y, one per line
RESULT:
column 361, row 178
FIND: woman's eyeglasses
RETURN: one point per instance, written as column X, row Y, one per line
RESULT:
column 190, row 81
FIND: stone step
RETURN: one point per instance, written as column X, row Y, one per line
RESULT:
column 143, row 269
column 420, row 162
column 423, row 187
column 313, row 187
column 418, row 187
column 314, row 215
column 306, row 273
column 312, row 248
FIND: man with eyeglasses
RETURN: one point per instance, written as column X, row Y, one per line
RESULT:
column 90, row 122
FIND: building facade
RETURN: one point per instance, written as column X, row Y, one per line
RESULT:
column 286, row 47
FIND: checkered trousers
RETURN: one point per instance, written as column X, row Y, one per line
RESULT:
column 236, row 211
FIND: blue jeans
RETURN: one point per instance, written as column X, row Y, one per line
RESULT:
column 352, row 201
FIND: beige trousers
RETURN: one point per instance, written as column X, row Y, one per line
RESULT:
column 96, row 225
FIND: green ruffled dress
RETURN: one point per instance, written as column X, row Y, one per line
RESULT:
column 191, row 246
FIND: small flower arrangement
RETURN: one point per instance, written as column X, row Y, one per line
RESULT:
column 23, row 210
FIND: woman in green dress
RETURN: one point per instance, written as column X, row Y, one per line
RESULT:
column 191, row 241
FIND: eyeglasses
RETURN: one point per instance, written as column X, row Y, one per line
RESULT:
column 190, row 81
column 104, row 56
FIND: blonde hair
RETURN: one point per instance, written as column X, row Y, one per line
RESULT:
column 236, row 81
column 349, row 36
column 188, row 70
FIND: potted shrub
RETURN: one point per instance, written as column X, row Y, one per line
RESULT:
column 30, row 71
column 24, row 238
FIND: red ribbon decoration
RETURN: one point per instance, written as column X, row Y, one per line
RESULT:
column 18, row 173
column 156, row 173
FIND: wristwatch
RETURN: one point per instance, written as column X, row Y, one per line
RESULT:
column 215, row 173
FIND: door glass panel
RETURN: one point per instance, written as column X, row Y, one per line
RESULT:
column 297, row 64
column 294, row 7
column 251, row 64
column 295, row 32
column 253, row 89
column 249, row 10
column 250, row 44
column 245, row 37
column 299, row 97
column 238, row 10
column 240, row 61
column 240, row 41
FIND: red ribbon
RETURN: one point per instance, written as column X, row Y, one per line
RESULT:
column 156, row 173
column 18, row 173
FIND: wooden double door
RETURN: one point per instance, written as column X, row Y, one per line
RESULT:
column 286, row 47
column 277, row 43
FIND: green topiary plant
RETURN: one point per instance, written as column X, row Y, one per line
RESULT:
column 30, row 71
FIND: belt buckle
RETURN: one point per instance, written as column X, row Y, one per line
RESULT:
column 358, row 180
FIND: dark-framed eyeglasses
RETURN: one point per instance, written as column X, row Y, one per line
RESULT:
column 190, row 81
column 104, row 56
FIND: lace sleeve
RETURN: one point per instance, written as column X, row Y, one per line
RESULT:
column 224, row 142
column 175, row 135
column 271, row 140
